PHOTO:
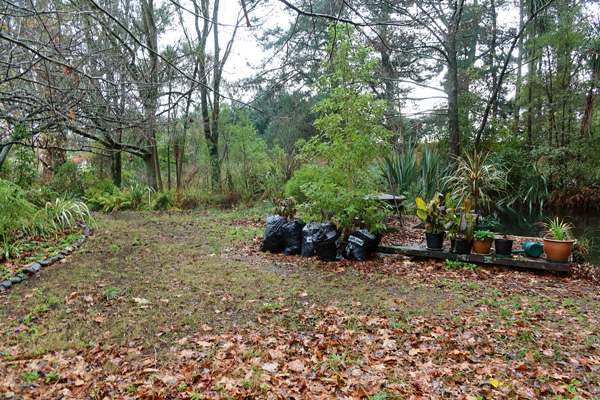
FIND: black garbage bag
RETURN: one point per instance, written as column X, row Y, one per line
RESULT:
column 273, row 240
column 292, row 237
column 326, row 244
column 360, row 245
column 308, row 250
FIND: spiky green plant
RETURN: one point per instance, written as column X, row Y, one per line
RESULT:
column 66, row 213
column 558, row 229
column 477, row 178
column 413, row 175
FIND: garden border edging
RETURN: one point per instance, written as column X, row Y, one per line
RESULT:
column 36, row 266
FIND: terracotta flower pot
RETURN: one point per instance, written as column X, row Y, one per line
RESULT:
column 558, row 250
column 482, row 246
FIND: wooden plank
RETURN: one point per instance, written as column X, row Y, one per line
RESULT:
column 519, row 262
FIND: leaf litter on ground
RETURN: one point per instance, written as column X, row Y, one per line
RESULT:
column 244, row 324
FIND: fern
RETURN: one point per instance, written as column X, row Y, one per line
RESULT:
column 15, row 211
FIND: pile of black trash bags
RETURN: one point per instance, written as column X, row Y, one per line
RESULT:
column 292, row 237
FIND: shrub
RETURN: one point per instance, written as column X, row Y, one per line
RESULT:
column 186, row 201
column 163, row 202
column 137, row 195
column 306, row 175
column 351, row 137
column 68, row 179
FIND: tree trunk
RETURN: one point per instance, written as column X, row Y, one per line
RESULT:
column 151, row 92
column 202, row 10
column 452, row 59
column 493, row 57
column 215, row 161
column 517, row 108
column 4, row 150
column 115, row 168
column 150, row 170
column 454, row 139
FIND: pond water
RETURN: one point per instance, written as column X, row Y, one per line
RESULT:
column 528, row 224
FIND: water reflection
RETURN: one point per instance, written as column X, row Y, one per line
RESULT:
column 529, row 224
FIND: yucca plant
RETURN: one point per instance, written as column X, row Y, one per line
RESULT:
column 421, row 177
column 401, row 168
column 435, row 169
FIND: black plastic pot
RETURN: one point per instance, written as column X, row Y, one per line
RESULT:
column 483, row 228
column 503, row 247
column 435, row 240
column 460, row 246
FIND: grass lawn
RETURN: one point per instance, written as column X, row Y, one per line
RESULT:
column 182, row 305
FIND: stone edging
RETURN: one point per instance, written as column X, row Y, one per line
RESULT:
column 38, row 265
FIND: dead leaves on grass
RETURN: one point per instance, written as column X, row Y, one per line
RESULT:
column 426, row 358
column 528, row 340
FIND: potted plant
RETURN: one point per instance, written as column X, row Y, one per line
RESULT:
column 460, row 225
column 432, row 216
column 482, row 241
column 503, row 246
column 558, row 241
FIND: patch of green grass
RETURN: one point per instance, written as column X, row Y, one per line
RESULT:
column 53, row 377
column 131, row 388
column 29, row 376
column 182, row 387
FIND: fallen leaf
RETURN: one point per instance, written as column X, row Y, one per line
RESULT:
column 296, row 365
column 271, row 367
column 495, row 383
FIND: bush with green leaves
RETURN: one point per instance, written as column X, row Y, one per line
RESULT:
column 68, row 179
column 138, row 195
column 348, row 209
column 306, row 175
column 351, row 138
column 246, row 165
